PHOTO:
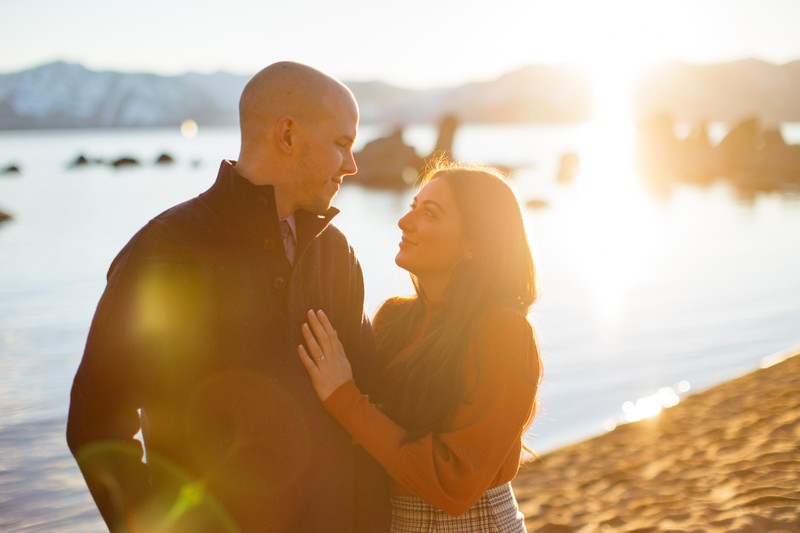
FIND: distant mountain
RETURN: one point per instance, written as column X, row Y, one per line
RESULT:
column 725, row 92
column 68, row 95
column 536, row 93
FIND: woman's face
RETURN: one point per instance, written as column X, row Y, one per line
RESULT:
column 433, row 238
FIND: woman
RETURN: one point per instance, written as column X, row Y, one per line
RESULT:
column 460, row 363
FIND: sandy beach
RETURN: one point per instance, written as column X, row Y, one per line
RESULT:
column 723, row 460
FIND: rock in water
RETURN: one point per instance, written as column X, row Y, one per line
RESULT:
column 164, row 159
column 125, row 162
column 10, row 169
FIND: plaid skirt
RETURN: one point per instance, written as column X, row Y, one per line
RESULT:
column 495, row 512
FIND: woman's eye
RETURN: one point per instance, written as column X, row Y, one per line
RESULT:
column 426, row 211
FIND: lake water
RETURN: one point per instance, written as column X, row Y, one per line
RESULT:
column 643, row 297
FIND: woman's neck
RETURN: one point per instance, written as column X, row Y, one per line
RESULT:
column 433, row 287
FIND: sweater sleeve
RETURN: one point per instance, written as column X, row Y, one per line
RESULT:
column 452, row 468
column 105, row 398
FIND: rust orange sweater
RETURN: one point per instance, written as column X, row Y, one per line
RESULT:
column 479, row 446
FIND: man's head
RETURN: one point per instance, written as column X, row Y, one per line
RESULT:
column 298, row 126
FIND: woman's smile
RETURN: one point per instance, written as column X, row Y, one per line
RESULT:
column 432, row 232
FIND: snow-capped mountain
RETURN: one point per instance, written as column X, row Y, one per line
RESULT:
column 67, row 95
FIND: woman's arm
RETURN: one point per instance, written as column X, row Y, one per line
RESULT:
column 453, row 467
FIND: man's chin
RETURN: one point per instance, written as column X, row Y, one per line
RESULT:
column 320, row 208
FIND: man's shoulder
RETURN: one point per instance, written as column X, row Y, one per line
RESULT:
column 333, row 240
column 166, row 233
column 185, row 215
column 334, row 234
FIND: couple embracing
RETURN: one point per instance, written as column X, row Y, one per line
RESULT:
column 231, row 380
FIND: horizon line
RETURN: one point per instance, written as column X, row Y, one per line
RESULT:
column 561, row 64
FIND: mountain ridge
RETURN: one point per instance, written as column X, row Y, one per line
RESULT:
column 63, row 94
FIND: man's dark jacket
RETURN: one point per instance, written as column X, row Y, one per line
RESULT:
column 196, row 335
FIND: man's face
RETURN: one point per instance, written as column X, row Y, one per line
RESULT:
column 326, row 155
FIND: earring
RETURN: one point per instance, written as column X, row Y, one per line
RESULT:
column 466, row 258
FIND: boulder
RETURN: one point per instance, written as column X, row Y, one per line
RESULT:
column 164, row 159
column 537, row 203
column 568, row 165
column 750, row 157
column 80, row 161
column 124, row 162
column 388, row 162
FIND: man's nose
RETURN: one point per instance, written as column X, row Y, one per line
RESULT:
column 349, row 166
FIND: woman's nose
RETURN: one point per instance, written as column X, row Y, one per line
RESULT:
column 405, row 222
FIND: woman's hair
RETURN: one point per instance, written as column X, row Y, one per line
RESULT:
column 424, row 387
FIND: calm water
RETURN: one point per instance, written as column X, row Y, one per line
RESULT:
column 640, row 293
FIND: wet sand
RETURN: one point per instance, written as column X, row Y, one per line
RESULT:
column 723, row 460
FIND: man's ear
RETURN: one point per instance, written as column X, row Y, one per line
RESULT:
column 285, row 131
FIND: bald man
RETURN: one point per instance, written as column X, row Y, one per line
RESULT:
column 194, row 341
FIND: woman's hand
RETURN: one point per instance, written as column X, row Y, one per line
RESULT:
column 325, row 360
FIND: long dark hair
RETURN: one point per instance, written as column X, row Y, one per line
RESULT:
column 423, row 387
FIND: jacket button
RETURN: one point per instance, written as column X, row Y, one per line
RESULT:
column 279, row 283
column 269, row 244
column 263, row 202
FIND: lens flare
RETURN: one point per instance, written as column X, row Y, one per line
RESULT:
column 189, row 128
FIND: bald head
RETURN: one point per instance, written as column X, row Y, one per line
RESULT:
column 298, row 129
column 287, row 89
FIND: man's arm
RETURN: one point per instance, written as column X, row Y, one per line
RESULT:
column 372, row 510
column 105, row 401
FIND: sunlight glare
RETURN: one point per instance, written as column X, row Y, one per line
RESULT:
column 650, row 406
column 189, row 128
column 612, row 227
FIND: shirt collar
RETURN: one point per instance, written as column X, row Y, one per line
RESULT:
column 291, row 219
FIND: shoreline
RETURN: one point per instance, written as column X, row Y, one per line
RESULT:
column 724, row 459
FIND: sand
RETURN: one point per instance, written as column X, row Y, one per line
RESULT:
column 725, row 459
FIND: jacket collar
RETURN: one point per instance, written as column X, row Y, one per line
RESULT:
column 254, row 209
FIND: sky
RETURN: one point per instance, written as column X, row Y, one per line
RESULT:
column 414, row 43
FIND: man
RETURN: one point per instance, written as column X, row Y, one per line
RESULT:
column 195, row 338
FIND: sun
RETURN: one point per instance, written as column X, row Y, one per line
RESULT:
column 618, row 39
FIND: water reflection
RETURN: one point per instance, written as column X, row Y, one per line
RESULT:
column 609, row 223
column 649, row 406
column 637, row 292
